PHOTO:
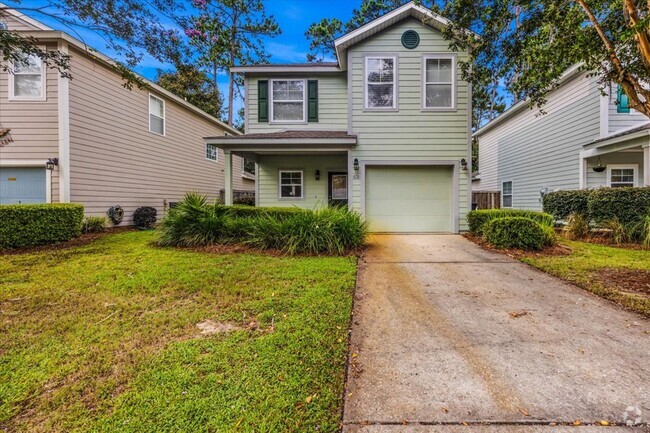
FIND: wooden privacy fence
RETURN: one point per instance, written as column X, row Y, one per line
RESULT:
column 486, row 199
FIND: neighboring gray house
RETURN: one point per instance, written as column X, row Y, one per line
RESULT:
column 384, row 130
column 585, row 140
column 113, row 146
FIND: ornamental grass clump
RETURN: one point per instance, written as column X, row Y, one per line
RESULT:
column 192, row 222
column 577, row 227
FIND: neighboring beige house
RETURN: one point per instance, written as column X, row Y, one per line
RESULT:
column 384, row 130
column 113, row 146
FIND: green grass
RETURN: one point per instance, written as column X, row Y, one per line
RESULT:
column 103, row 338
column 586, row 259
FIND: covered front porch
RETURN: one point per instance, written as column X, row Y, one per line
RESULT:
column 307, row 169
column 621, row 160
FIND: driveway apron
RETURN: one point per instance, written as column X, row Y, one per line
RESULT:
column 449, row 337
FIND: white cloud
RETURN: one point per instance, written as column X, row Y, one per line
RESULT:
column 285, row 53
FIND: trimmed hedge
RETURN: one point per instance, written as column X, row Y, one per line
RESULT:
column 26, row 225
column 628, row 205
column 518, row 232
column 561, row 204
column 477, row 219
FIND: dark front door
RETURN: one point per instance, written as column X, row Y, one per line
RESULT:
column 337, row 190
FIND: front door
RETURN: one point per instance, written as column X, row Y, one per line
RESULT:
column 338, row 189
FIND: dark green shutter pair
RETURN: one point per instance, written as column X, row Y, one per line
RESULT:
column 263, row 101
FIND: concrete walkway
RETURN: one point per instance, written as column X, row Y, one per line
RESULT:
column 445, row 333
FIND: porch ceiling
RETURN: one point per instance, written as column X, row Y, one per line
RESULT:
column 630, row 139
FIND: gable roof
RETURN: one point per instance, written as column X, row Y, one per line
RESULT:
column 24, row 18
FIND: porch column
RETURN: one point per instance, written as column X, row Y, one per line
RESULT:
column 583, row 172
column 646, row 165
column 228, row 173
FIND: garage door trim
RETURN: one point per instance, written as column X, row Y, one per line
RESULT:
column 33, row 163
column 455, row 184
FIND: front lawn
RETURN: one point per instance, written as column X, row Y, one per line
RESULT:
column 103, row 338
column 618, row 274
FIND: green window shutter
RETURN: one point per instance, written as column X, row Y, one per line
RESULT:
column 622, row 102
column 312, row 101
column 263, row 101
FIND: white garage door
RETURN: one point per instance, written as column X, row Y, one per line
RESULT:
column 409, row 198
column 22, row 185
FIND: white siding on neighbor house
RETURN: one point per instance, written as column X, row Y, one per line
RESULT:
column 332, row 104
column 116, row 160
column 315, row 192
column 541, row 151
column 34, row 125
column 621, row 121
column 408, row 133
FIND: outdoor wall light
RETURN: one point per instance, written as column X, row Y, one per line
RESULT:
column 317, row 175
column 356, row 165
column 51, row 163
column 463, row 164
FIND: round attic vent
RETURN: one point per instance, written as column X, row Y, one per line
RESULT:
column 410, row 39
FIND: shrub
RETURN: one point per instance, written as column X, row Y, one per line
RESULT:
column 145, row 217
column 618, row 232
column 629, row 205
column 93, row 224
column 24, row 225
column 561, row 204
column 477, row 219
column 577, row 226
column 518, row 232
column 194, row 222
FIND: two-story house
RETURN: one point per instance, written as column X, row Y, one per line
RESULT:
column 384, row 130
column 584, row 140
column 106, row 145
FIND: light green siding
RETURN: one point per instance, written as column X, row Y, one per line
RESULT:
column 332, row 104
column 315, row 191
column 408, row 133
column 409, row 199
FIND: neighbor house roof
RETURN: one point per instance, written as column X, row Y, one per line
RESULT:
column 288, row 137
column 21, row 16
column 292, row 67
column 628, row 134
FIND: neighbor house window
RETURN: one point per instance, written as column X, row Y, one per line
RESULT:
column 211, row 152
column 619, row 176
column 380, row 82
column 506, row 194
column 438, row 82
column 248, row 166
column 288, row 101
column 291, row 185
column 27, row 82
column 156, row 115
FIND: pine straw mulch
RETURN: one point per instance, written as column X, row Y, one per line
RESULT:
column 556, row 250
column 635, row 281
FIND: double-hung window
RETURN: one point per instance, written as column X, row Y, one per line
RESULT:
column 27, row 80
column 291, row 184
column 288, row 100
column 211, row 152
column 438, row 82
column 381, row 86
column 619, row 176
column 506, row 194
column 156, row 115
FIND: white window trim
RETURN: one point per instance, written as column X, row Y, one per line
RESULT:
column 304, row 101
column 164, row 118
column 634, row 167
column 302, row 184
column 395, row 79
column 216, row 153
column 43, row 97
column 512, row 194
column 454, row 83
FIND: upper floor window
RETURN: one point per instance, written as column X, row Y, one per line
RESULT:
column 27, row 82
column 619, row 176
column 438, row 82
column 156, row 115
column 288, row 101
column 380, row 83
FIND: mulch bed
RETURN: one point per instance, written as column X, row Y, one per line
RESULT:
column 556, row 250
column 635, row 281
column 82, row 240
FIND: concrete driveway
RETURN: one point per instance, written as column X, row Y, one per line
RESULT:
column 445, row 334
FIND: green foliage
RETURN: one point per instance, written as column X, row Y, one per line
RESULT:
column 561, row 204
column 26, row 225
column 193, row 85
column 194, row 222
column 628, row 205
column 518, row 232
column 478, row 219
column 145, row 217
column 618, row 232
column 94, row 224
column 577, row 226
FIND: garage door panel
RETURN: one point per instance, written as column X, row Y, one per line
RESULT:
column 409, row 199
column 22, row 185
